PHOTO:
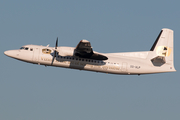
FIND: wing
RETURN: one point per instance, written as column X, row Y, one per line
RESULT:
column 84, row 50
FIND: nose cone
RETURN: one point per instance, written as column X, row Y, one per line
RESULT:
column 10, row 53
column 6, row 53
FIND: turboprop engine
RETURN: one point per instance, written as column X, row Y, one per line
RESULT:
column 65, row 51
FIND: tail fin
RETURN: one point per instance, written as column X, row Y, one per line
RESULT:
column 162, row 51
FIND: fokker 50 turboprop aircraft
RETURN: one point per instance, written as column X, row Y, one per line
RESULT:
column 158, row 60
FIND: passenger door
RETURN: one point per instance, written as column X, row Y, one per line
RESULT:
column 36, row 54
column 124, row 67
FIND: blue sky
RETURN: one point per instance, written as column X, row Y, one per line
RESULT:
column 33, row 92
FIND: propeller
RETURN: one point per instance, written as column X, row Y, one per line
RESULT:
column 55, row 52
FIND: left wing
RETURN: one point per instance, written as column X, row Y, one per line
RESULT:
column 84, row 50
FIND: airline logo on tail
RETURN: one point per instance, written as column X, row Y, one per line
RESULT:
column 163, row 51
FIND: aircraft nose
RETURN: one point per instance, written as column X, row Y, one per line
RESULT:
column 6, row 53
column 9, row 53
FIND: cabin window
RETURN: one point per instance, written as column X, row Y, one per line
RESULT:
column 31, row 49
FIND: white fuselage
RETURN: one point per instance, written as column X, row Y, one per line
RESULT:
column 159, row 59
column 117, row 63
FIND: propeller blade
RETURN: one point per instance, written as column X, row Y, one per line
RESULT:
column 54, row 55
column 56, row 43
column 52, row 60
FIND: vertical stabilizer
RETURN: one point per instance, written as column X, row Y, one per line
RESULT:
column 162, row 51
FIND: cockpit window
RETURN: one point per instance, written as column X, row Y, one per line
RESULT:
column 22, row 48
column 26, row 48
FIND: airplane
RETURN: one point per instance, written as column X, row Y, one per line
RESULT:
column 82, row 57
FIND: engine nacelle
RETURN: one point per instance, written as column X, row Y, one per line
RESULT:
column 65, row 51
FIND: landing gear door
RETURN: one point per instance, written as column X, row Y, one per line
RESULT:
column 36, row 55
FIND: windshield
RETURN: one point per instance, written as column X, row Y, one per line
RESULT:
column 24, row 48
